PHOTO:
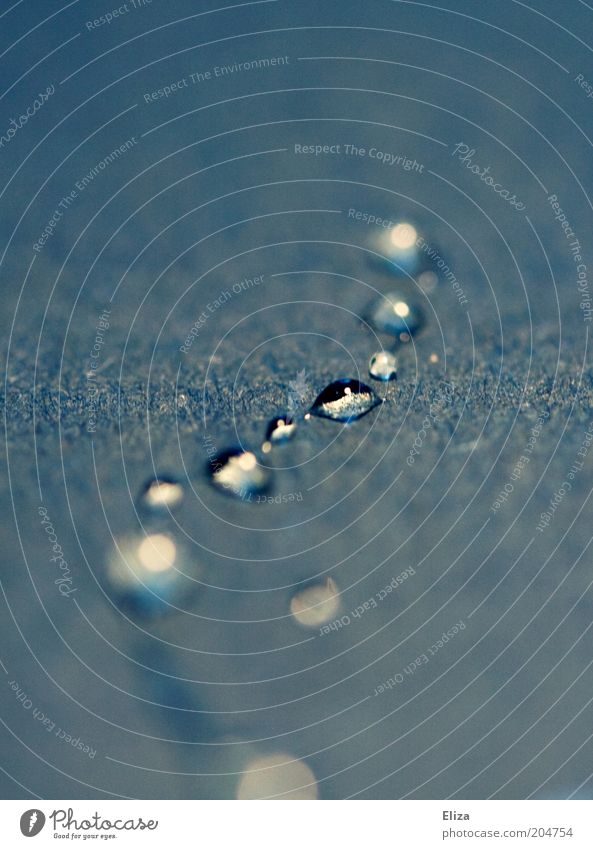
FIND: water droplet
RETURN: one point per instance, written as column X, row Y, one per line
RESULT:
column 403, row 236
column 161, row 494
column 427, row 281
column 434, row 358
column 279, row 776
column 145, row 571
column 316, row 604
column 400, row 248
column 395, row 314
column 345, row 400
column 281, row 429
column 383, row 366
column 238, row 473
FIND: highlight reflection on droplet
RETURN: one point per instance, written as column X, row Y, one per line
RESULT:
column 162, row 493
column 238, row 473
column 277, row 776
column 316, row 604
column 281, row 429
column 383, row 366
column 397, row 315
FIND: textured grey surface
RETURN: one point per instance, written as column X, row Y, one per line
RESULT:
column 175, row 707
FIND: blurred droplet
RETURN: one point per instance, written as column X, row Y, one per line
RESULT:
column 403, row 236
column 281, row 429
column 316, row 604
column 277, row 776
column 145, row 572
column 162, row 493
column 345, row 400
column 396, row 315
column 399, row 247
column 434, row 358
column 157, row 553
column 238, row 473
column 383, row 366
column 427, row 281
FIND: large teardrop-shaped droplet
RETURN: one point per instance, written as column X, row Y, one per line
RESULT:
column 345, row 400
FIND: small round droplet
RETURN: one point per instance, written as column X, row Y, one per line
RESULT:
column 434, row 358
column 277, row 776
column 281, row 429
column 161, row 494
column 316, row 604
column 145, row 572
column 345, row 400
column 383, row 366
column 238, row 473
column 396, row 315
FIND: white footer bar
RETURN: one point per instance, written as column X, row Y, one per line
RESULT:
column 282, row 825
